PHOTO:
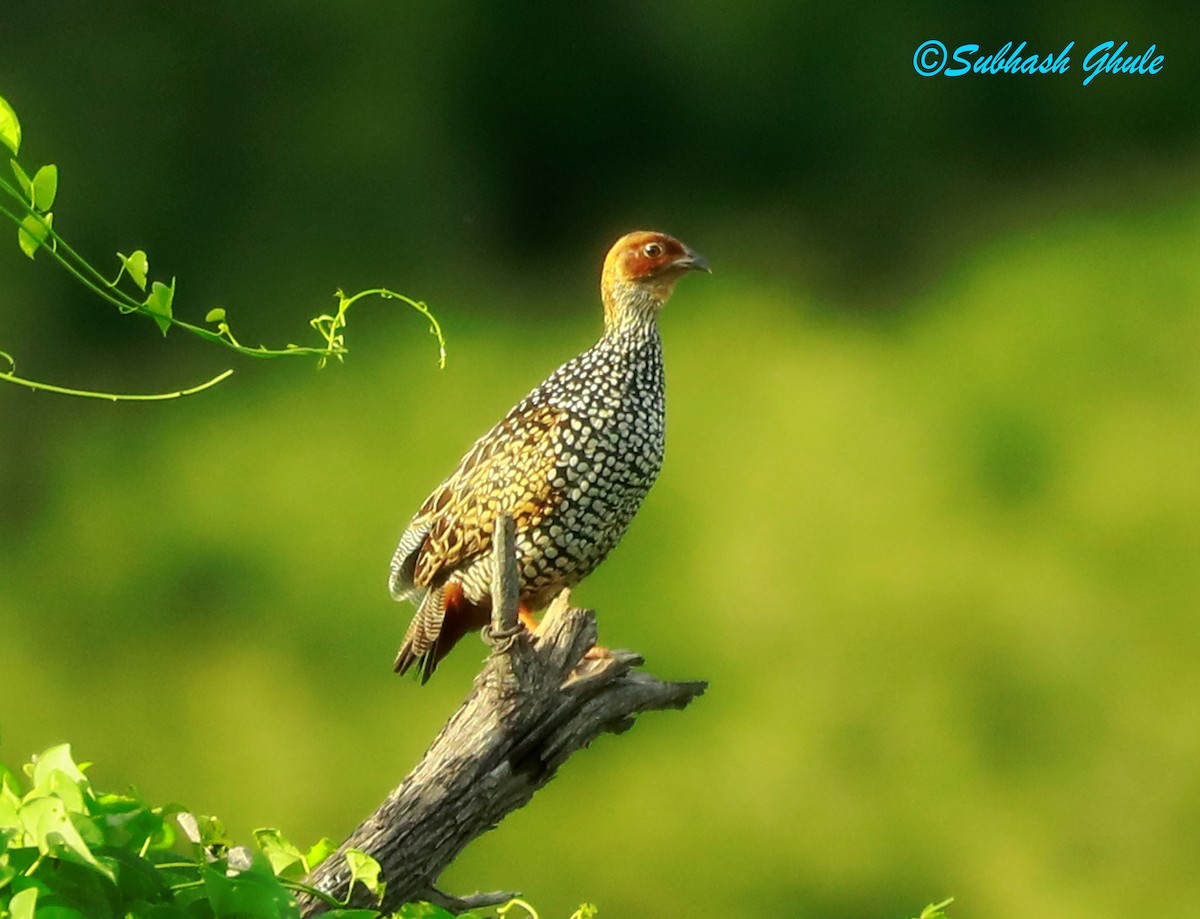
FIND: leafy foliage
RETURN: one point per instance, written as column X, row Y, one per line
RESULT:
column 68, row 851
column 33, row 198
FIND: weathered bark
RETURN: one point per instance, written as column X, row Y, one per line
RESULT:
column 537, row 701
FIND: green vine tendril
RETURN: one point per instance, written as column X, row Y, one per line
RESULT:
column 28, row 204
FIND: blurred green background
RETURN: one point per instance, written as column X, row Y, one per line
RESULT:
column 928, row 520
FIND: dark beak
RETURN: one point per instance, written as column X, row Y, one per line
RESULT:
column 692, row 261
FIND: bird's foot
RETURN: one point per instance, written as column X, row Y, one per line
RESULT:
column 598, row 653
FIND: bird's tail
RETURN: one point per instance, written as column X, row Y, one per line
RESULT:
column 444, row 616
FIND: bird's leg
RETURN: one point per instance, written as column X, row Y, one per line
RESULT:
column 527, row 618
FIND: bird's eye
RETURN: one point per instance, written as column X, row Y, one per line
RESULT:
column 652, row 250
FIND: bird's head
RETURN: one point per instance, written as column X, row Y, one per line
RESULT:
column 639, row 274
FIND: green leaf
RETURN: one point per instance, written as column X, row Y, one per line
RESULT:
column 203, row 831
column 10, row 128
column 158, row 304
column 45, row 187
column 138, row 879
column 49, row 827
column 215, row 315
column 61, row 912
column 66, row 885
column 57, row 759
column 936, row 910
column 32, row 233
column 364, row 870
column 321, row 850
column 71, row 792
column 23, row 180
column 10, row 799
column 160, row 911
column 137, row 266
column 247, row 894
column 128, row 822
column 7, row 872
column 23, row 904
column 284, row 857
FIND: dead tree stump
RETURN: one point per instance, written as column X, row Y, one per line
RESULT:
column 537, row 701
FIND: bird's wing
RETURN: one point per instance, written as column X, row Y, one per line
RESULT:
column 510, row 470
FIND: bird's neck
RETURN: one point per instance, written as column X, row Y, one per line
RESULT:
column 630, row 308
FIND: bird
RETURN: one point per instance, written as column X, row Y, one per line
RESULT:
column 571, row 464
